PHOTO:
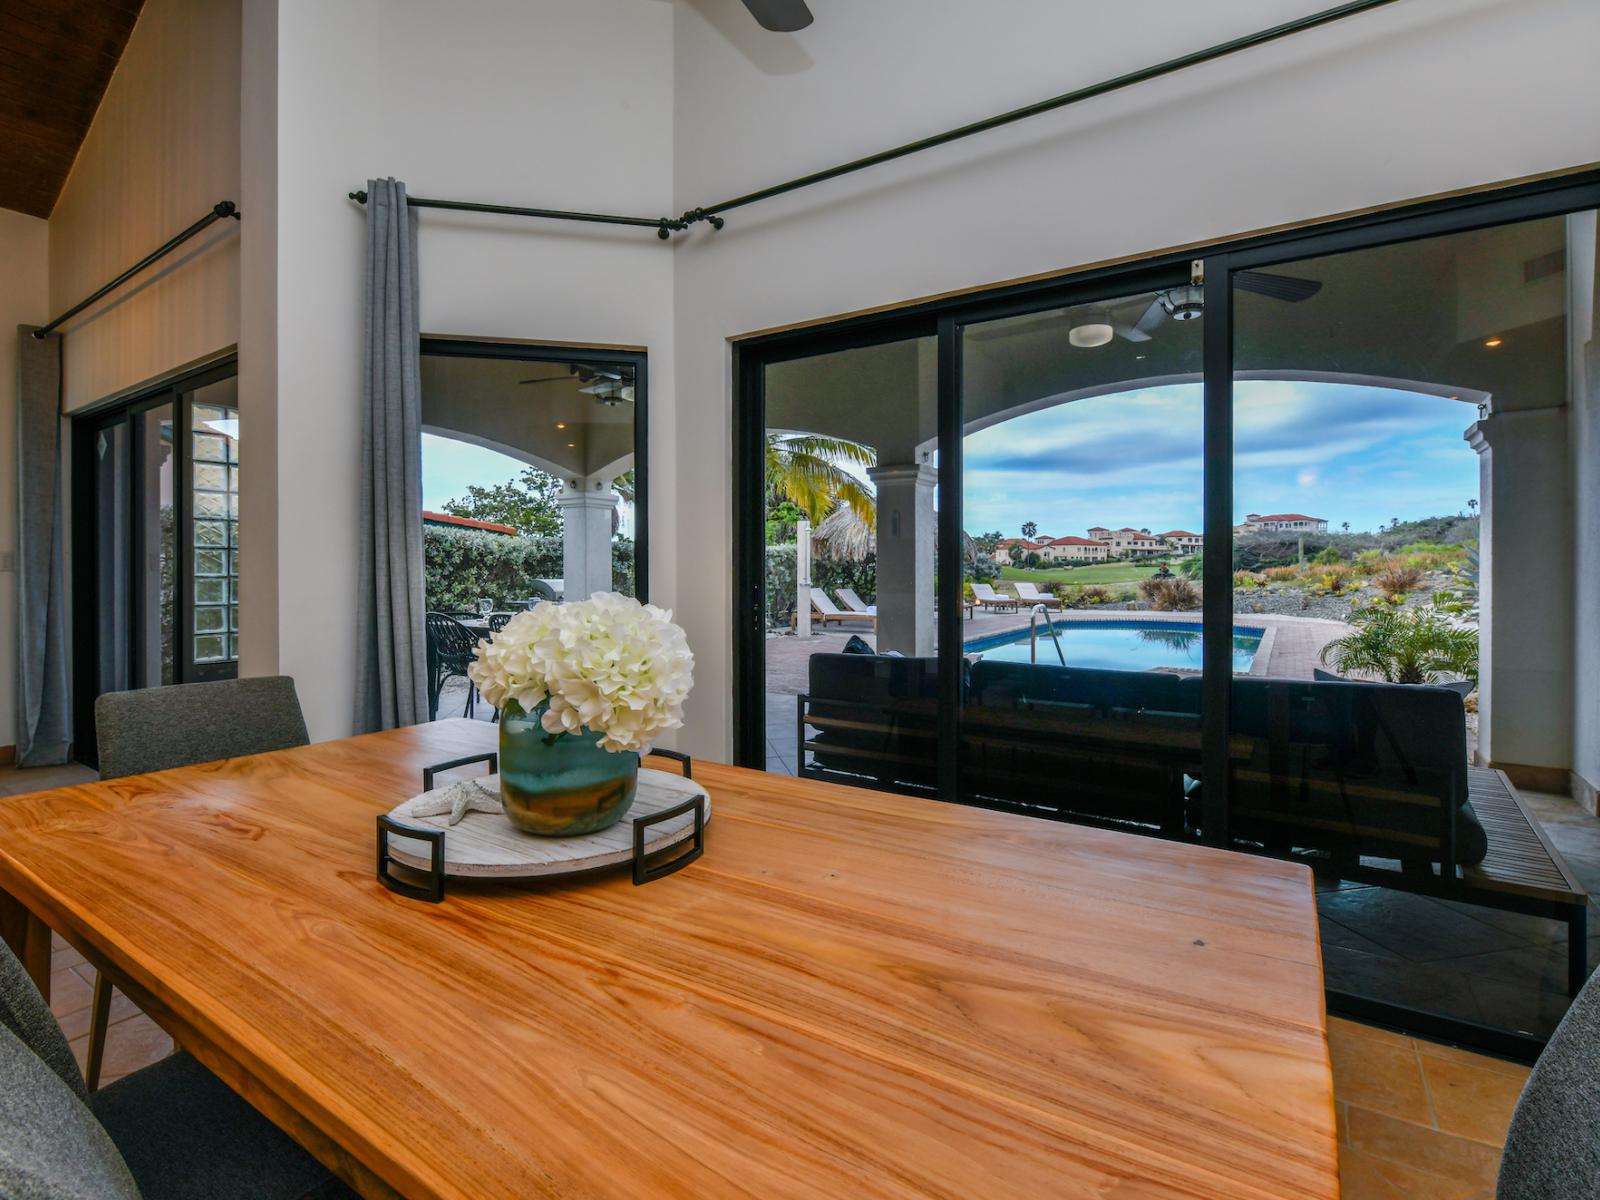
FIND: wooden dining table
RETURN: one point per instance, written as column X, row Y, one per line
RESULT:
column 851, row 994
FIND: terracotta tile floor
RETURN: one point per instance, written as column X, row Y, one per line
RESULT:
column 1417, row 1119
column 133, row 1039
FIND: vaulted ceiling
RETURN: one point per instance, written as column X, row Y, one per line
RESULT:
column 56, row 57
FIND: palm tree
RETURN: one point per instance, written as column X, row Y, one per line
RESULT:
column 804, row 468
column 1404, row 646
column 1029, row 528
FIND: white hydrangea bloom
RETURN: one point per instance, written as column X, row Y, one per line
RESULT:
column 609, row 664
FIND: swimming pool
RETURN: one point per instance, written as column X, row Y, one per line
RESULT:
column 1119, row 645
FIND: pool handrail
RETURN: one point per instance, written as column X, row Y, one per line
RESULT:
column 1034, row 613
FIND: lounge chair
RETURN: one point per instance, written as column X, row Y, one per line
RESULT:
column 848, row 597
column 824, row 610
column 1030, row 594
column 989, row 598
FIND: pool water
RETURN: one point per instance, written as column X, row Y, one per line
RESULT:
column 1119, row 646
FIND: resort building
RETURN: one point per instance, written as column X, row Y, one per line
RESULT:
column 709, row 816
column 1282, row 523
column 1075, row 549
column 1183, row 540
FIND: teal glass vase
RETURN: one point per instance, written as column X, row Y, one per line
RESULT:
column 561, row 785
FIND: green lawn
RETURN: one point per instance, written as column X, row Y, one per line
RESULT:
column 1123, row 572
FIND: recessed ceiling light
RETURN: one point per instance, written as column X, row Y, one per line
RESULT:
column 561, row 424
column 1493, row 342
column 572, row 445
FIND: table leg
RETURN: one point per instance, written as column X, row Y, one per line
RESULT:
column 29, row 939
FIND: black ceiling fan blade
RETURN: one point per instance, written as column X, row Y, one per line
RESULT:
column 545, row 379
column 780, row 16
column 1280, row 287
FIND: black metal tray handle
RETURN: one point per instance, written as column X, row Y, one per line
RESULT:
column 683, row 761
column 492, row 758
column 642, row 871
column 433, row 891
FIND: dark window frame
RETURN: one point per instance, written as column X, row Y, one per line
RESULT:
column 639, row 360
column 86, row 426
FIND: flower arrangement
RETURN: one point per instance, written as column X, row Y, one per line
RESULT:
column 607, row 664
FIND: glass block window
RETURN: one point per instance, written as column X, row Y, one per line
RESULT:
column 214, row 525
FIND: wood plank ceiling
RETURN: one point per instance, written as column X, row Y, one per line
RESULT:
column 56, row 57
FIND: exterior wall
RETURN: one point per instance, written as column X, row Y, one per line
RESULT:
column 163, row 148
column 24, row 300
column 564, row 103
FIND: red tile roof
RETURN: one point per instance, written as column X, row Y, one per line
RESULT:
column 1286, row 517
column 1177, row 533
column 433, row 518
column 1075, row 541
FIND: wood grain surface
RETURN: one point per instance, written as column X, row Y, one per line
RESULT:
column 851, row 995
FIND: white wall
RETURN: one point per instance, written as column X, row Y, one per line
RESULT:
column 163, row 148
column 24, row 299
column 566, row 103
column 1406, row 101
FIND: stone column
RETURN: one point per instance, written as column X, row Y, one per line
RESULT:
column 906, row 531
column 1524, row 594
column 587, row 508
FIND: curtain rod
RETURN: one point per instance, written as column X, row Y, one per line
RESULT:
column 218, row 211
column 711, row 213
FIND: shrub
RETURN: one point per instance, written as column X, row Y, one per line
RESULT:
column 1281, row 574
column 1170, row 595
column 1329, row 555
column 1248, row 579
column 1396, row 581
column 1094, row 594
column 1332, row 580
column 1414, row 646
column 460, row 565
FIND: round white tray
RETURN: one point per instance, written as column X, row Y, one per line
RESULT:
column 487, row 846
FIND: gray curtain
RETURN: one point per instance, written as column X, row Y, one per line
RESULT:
column 44, row 710
column 391, row 672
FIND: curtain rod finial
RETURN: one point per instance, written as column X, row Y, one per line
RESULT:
column 359, row 197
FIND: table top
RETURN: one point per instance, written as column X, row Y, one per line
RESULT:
column 852, row 993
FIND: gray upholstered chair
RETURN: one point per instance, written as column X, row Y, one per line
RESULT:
column 1553, row 1148
column 172, row 1131
column 157, row 729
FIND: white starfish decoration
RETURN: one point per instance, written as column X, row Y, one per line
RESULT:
column 470, row 795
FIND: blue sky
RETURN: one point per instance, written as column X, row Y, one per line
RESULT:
column 1343, row 452
column 450, row 467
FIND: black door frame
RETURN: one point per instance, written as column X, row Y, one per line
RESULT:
column 945, row 318
column 86, row 426
column 639, row 360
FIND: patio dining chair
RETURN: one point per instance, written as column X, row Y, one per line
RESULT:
column 988, row 598
column 499, row 620
column 157, row 729
column 451, row 649
column 171, row 1131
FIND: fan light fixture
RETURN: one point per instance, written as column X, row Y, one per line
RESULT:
column 1184, row 303
column 1094, row 330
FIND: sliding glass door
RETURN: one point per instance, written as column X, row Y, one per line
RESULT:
column 156, row 534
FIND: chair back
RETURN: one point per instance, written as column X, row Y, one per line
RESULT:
column 51, row 1145
column 984, row 592
column 1552, row 1151
column 499, row 620
column 852, row 601
column 156, row 729
column 821, row 602
column 451, row 644
column 1026, row 590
